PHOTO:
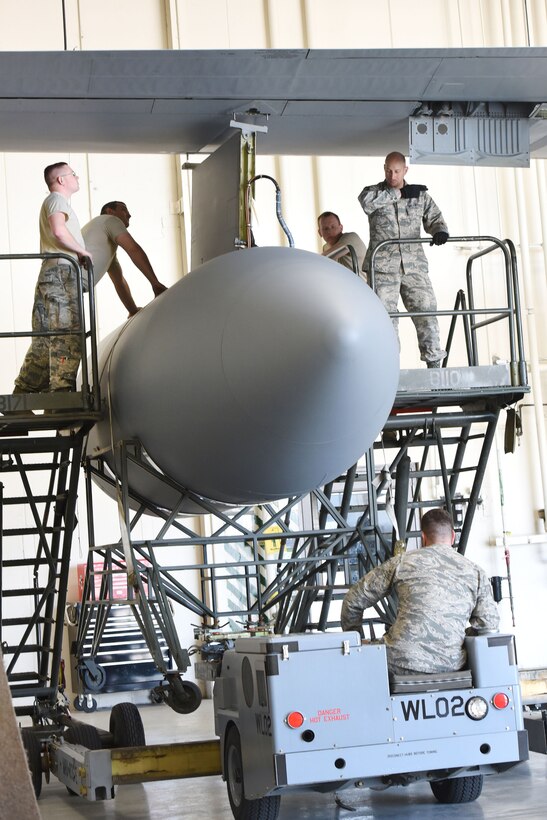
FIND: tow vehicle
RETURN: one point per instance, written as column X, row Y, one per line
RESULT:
column 321, row 712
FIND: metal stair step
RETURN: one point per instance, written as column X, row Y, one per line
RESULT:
column 25, row 562
column 15, row 593
column 37, row 499
column 31, row 531
column 25, row 621
column 45, row 465
column 8, row 649
column 23, row 676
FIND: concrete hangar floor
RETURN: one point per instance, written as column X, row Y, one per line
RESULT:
column 518, row 793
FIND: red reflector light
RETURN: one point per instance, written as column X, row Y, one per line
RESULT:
column 500, row 700
column 295, row 720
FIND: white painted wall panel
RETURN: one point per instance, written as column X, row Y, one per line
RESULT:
column 120, row 24
column 31, row 25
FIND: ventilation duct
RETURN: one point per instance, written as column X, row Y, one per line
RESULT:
column 473, row 135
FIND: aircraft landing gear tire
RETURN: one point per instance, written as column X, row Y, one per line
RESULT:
column 265, row 808
column 457, row 789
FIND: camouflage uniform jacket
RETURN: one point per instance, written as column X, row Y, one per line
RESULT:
column 439, row 592
column 392, row 218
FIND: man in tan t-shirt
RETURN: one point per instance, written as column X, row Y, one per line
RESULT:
column 331, row 230
column 51, row 362
column 103, row 235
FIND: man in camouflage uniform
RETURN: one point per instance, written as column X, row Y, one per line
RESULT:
column 396, row 210
column 331, row 230
column 439, row 592
column 51, row 362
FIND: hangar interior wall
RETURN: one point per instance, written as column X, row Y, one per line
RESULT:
column 475, row 201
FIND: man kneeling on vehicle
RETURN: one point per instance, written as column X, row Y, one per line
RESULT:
column 439, row 593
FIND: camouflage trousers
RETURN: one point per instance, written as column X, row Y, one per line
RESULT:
column 51, row 362
column 417, row 294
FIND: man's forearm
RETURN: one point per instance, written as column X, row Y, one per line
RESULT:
column 142, row 262
column 353, row 606
column 336, row 251
column 374, row 199
column 123, row 291
column 433, row 219
column 351, row 618
column 366, row 592
column 485, row 616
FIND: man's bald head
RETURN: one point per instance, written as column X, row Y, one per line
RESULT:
column 395, row 169
column 395, row 156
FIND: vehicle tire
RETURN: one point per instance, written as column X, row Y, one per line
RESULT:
column 265, row 808
column 458, row 789
column 126, row 726
column 186, row 701
column 33, row 749
column 83, row 734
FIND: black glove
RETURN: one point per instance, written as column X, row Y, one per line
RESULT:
column 439, row 238
column 412, row 191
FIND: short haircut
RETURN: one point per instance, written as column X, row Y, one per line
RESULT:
column 110, row 206
column 396, row 155
column 50, row 172
column 437, row 524
column 326, row 214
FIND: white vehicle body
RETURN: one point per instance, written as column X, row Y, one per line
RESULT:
column 319, row 711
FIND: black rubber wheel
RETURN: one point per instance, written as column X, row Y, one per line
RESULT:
column 84, row 734
column 126, row 726
column 90, row 704
column 79, row 702
column 156, row 695
column 186, row 701
column 265, row 808
column 94, row 677
column 33, row 749
column 458, row 789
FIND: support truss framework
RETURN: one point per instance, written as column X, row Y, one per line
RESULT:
column 43, row 475
column 289, row 563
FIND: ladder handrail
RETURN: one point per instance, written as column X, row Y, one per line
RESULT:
column 511, row 311
column 90, row 392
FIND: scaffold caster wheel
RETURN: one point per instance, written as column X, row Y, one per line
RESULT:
column 156, row 695
column 183, row 696
column 79, row 703
column 90, row 704
column 93, row 676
